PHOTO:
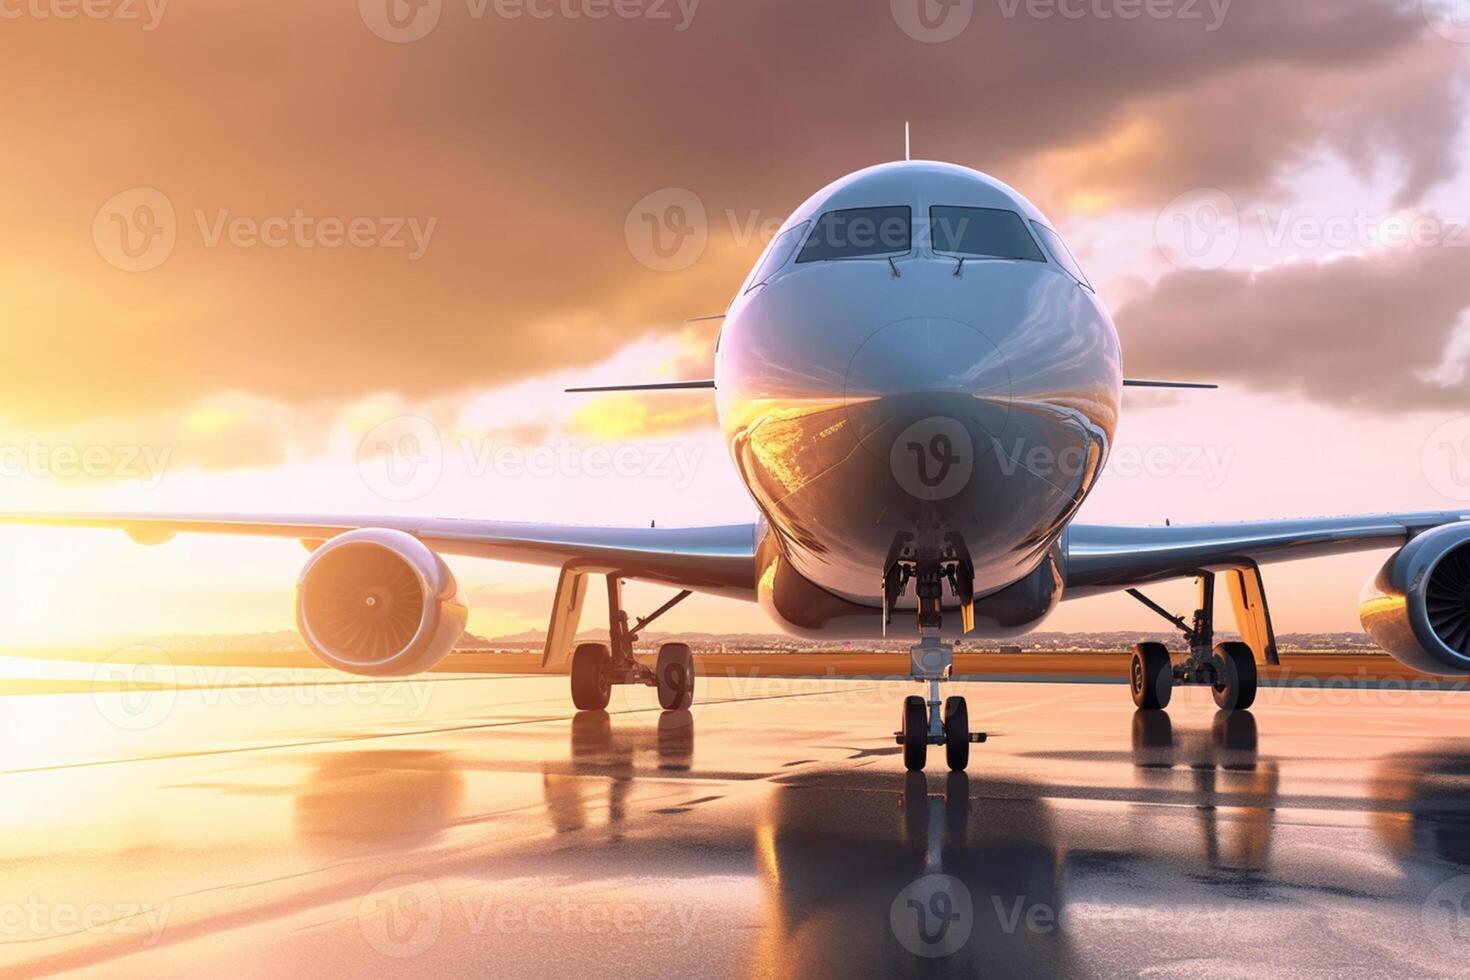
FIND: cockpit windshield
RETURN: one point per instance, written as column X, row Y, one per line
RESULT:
column 989, row 233
column 1060, row 252
column 778, row 254
column 856, row 232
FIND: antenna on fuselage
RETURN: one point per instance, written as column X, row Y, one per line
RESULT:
column 906, row 141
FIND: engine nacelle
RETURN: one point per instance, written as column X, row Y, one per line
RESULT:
column 379, row 602
column 1418, row 606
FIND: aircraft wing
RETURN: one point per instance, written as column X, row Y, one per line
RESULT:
column 1105, row 559
column 719, row 559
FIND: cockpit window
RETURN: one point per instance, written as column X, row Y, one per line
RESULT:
column 855, row 232
column 984, row 232
column 1060, row 252
column 778, row 254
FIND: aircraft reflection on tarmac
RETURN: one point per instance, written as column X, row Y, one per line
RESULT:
column 1427, row 829
column 1020, row 872
column 1224, row 769
column 991, row 858
column 399, row 797
column 601, row 749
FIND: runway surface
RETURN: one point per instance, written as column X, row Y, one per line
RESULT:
column 265, row 823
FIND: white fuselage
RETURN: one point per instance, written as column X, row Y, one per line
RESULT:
column 924, row 397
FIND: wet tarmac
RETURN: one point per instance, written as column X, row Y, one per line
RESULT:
column 250, row 823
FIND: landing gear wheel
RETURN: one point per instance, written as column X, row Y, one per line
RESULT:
column 675, row 675
column 1151, row 675
column 591, row 676
column 915, row 733
column 1235, row 676
column 956, row 733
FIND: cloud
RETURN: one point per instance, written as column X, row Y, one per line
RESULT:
column 519, row 146
column 1376, row 331
column 1239, row 133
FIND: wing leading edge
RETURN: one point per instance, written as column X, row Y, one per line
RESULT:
column 1105, row 559
column 718, row 559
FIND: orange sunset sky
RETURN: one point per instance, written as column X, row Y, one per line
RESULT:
column 248, row 244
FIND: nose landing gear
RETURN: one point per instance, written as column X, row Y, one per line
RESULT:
column 931, row 660
column 923, row 724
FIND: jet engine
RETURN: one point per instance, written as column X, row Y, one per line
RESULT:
column 1418, row 606
column 379, row 602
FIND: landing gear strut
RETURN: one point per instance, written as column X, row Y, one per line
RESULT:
column 931, row 660
column 596, row 667
column 1229, row 668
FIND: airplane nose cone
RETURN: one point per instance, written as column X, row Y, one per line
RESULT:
column 928, row 354
column 932, row 373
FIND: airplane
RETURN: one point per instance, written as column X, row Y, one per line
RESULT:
column 919, row 387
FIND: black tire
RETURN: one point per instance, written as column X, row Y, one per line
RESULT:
column 591, row 677
column 915, row 733
column 956, row 733
column 1151, row 676
column 675, row 675
column 1235, row 676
